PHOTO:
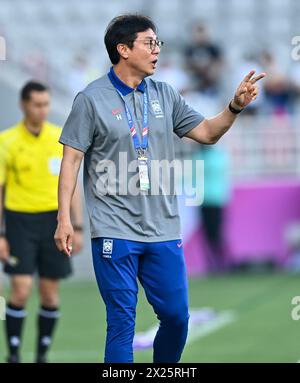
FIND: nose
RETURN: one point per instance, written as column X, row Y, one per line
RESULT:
column 156, row 50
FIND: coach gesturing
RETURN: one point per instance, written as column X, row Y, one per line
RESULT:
column 135, row 235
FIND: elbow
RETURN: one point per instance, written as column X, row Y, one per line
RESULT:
column 211, row 140
column 210, row 136
column 207, row 139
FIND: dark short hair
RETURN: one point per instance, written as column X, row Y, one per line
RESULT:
column 124, row 29
column 32, row 86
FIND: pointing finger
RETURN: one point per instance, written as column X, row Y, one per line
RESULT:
column 249, row 75
column 257, row 78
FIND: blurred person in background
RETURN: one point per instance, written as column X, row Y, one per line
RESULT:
column 30, row 157
column 80, row 73
column 292, row 241
column 36, row 65
column 295, row 79
column 278, row 88
column 172, row 73
column 135, row 234
column 204, row 59
column 216, row 197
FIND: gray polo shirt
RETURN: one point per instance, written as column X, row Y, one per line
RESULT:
column 97, row 126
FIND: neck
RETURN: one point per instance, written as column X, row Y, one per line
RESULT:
column 128, row 75
column 33, row 128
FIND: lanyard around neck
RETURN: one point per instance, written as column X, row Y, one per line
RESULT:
column 140, row 148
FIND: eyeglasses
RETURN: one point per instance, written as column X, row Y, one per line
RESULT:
column 152, row 43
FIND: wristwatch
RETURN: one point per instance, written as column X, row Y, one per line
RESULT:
column 233, row 110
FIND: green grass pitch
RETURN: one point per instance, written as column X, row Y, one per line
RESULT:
column 262, row 331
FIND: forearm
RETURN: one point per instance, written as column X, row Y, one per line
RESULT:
column 218, row 125
column 66, row 187
column 1, row 209
column 210, row 130
column 68, row 199
column 4, row 245
column 76, row 210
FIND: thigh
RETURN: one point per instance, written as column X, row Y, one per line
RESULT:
column 52, row 263
column 116, row 263
column 162, row 273
column 23, row 243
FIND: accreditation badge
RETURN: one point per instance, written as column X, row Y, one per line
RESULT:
column 143, row 173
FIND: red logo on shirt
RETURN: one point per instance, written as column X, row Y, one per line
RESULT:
column 116, row 111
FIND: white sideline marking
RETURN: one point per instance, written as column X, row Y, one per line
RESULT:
column 196, row 332
column 223, row 319
column 203, row 321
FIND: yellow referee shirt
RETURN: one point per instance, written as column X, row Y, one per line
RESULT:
column 29, row 168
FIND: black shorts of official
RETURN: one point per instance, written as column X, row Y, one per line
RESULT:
column 32, row 246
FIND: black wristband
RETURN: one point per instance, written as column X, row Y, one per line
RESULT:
column 233, row 110
column 77, row 227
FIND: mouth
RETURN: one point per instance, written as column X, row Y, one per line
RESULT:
column 154, row 62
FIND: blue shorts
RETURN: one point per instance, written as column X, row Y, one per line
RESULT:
column 160, row 268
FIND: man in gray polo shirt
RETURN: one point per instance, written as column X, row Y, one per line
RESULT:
column 122, row 124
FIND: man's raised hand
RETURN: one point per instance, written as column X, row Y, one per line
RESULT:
column 247, row 90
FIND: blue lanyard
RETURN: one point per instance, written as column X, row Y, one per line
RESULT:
column 140, row 148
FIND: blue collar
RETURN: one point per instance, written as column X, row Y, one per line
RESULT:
column 121, row 86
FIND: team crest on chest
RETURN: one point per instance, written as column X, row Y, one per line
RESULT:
column 156, row 108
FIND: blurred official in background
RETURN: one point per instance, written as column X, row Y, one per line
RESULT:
column 30, row 158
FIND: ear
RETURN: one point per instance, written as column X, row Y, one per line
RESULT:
column 123, row 50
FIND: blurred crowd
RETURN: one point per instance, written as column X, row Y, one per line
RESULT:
column 201, row 71
column 206, row 77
